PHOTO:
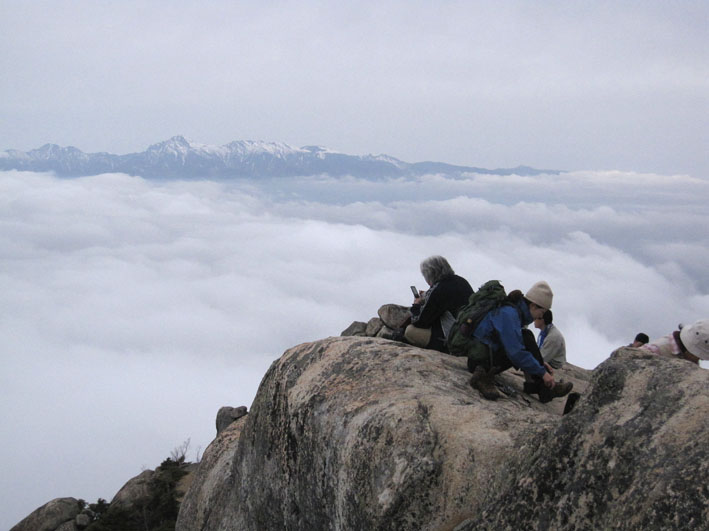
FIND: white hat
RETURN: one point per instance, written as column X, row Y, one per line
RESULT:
column 540, row 294
column 696, row 338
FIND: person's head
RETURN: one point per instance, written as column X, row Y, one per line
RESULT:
column 544, row 321
column 695, row 338
column 640, row 340
column 539, row 298
column 434, row 268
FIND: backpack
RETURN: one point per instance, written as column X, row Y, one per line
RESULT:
column 461, row 342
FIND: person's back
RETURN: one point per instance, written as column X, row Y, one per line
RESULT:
column 551, row 341
column 447, row 295
column 689, row 342
column 434, row 314
column 554, row 348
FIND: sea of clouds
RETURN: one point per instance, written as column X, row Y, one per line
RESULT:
column 131, row 310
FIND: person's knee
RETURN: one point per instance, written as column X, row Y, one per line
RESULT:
column 418, row 337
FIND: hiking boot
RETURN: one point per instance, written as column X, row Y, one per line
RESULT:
column 560, row 389
column 485, row 383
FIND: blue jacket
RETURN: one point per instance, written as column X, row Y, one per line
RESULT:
column 501, row 330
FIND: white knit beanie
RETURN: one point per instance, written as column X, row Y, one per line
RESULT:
column 540, row 294
column 696, row 338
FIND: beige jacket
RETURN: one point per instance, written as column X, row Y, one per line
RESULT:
column 554, row 348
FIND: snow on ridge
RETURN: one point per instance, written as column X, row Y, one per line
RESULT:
column 177, row 145
column 388, row 158
column 208, row 149
column 320, row 151
column 181, row 146
column 256, row 147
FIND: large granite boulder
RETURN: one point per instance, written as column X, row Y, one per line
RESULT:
column 390, row 318
column 365, row 433
column 394, row 315
column 53, row 515
column 134, row 492
column 633, row 455
column 227, row 414
column 208, row 483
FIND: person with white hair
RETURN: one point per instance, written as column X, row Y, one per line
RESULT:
column 689, row 343
column 434, row 311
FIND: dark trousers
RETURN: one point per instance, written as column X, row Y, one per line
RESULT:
column 500, row 362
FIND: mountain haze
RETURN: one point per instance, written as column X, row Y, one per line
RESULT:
column 180, row 158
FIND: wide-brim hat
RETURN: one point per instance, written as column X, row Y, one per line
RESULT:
column 695, row 338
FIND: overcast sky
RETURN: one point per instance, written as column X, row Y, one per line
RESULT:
column 565, row 85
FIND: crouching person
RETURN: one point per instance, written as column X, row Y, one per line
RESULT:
column 500, row 342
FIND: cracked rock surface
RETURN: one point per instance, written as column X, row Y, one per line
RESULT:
column 365, row 433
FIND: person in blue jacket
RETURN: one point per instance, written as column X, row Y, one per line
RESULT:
column 509, row 344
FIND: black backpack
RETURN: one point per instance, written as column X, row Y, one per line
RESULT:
column 460, row 340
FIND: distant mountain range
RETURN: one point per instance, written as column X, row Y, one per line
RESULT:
column 180, row 158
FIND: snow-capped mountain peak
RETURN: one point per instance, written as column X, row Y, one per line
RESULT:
column 176, row 144
column 179, row 157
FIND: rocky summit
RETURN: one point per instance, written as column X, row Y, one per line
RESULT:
column 362, row 432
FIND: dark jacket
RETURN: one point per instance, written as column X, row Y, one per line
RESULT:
column 450, row 293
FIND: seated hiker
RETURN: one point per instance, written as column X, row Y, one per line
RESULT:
column 690, row 343
column 434, row 312
column 550, row 341
column 640, row 340
column 501, row 342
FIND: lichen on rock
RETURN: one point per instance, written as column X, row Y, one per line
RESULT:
column 364, row 433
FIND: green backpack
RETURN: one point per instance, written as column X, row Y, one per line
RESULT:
column 461, row 342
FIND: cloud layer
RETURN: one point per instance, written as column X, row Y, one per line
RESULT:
column 132, row 310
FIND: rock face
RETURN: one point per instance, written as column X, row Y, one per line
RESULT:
column 135, row 490
column 208, row 483
column 137, row 496
column 226, row 415
column 57, row 514
column 633, row 455
column 390, row 319
column 365, row 433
